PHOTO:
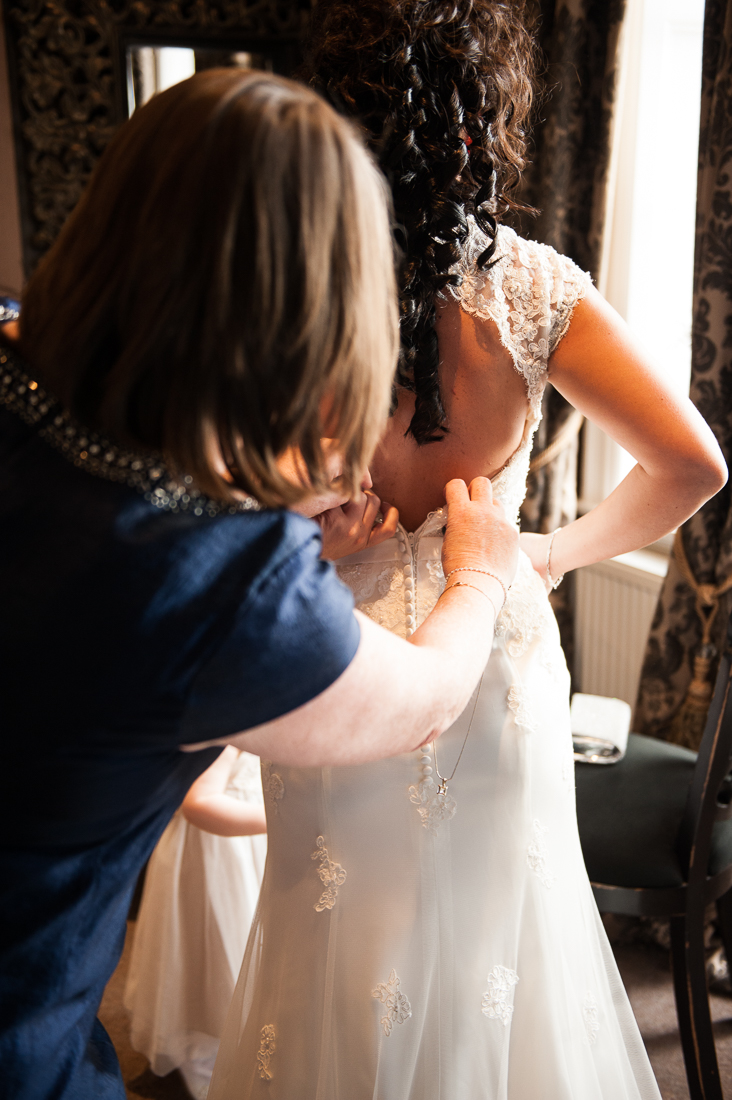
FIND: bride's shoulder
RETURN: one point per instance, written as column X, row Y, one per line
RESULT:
column 523, row 275
column 529, row 290
column 547, row 266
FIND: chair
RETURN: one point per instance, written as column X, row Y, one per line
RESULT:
column 656, row 833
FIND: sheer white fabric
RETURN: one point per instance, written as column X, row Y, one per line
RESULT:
column 198, row 902
column 459, row 954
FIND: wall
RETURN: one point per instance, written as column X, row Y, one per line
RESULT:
column 616, row 601
column 11, row 265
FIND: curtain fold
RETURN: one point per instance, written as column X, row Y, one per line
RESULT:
column 695, row 601
column 567, row 181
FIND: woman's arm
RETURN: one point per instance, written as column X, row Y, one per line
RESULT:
column 208, row 807
column 600, row 370
column 397, row 695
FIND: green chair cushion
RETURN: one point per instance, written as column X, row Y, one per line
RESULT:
column 629, row 815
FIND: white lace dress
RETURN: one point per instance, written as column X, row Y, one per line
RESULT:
column 410, row 946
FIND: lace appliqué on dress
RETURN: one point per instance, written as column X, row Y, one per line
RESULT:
column 398, row 1008
column 266, row 1050
column 518, row 703
column 536, row 856
column 551, row 660
column 526, row 614
column 432, row 807
column 509, row 485
column 496, row 1004
column 436, row 573
column 331, row 875
column 377, row 592
column 529, row 293
column 591, row 1017
column 273, row 786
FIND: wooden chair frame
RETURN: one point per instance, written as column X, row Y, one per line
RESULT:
column 709, row 800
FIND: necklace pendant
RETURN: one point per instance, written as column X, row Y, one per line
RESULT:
column 442, row 789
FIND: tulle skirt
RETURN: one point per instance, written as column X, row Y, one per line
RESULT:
column 199, row 898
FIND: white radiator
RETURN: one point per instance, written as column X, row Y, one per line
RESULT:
column 616, row 600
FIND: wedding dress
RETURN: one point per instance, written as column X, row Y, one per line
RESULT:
column 411, row 945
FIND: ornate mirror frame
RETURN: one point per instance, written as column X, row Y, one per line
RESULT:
column 66, row 61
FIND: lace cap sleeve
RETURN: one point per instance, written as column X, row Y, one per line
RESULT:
column 529, row 293
column 571, row 284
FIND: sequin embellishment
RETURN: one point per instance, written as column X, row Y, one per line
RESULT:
column 89, row 451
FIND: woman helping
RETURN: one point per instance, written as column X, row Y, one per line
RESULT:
column 222, row 295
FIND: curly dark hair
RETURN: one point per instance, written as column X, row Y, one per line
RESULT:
column 443, row 90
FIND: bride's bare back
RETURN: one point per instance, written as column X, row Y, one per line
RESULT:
column 486, row 404
column 593, row 362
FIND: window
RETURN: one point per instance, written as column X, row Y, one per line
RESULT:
column 647, row 266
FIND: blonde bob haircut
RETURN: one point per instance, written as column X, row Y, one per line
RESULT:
column 224, row 284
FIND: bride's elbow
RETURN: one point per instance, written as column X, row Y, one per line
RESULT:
column 722, row 475
column 717, row 472
column 707, row 475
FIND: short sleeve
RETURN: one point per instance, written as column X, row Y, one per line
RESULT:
column 293, row 635
column 529, row 293
column 569, row 284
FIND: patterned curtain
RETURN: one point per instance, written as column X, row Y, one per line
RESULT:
column 567, row 182
column 696, row 598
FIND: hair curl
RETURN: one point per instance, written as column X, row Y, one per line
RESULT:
column 443, row 90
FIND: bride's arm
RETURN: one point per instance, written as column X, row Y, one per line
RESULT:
column 600, row 370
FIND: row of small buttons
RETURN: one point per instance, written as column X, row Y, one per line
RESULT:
column 406, row 556
column 406, row 543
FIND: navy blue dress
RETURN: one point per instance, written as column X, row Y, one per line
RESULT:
column 135, row 616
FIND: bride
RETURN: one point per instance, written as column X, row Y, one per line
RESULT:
column 426, row 928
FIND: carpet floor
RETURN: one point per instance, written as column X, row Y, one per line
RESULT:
column 645, row 971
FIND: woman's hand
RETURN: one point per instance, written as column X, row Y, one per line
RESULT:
column 350, row 524
column 478, row 535
column 536, row 548
column 361, row 522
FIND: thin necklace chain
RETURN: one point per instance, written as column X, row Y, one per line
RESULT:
column 444, row 780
